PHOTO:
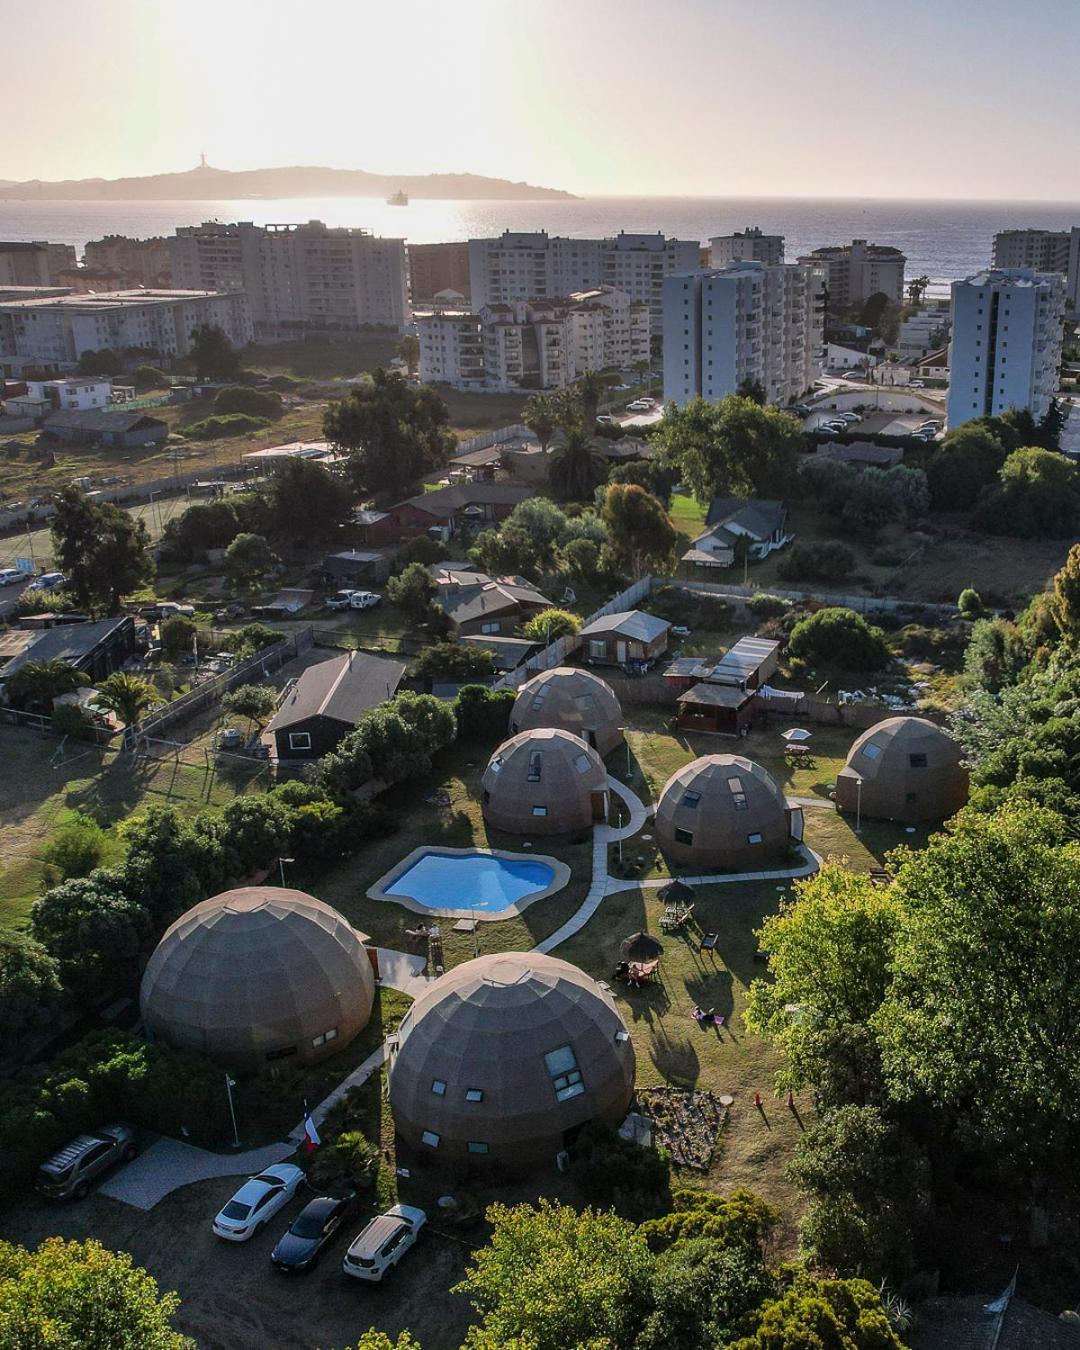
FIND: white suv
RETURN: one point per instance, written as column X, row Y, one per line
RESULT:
column 383, row 1243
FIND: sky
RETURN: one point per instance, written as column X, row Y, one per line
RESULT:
column 860, row 98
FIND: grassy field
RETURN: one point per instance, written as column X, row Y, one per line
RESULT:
column 317, row 359
column 687, row 513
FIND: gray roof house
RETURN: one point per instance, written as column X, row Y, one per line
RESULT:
column 326, row 702
column 97, row 649
column 128, row 430
column 763, row 523
column 628, row 638
column 477, row 604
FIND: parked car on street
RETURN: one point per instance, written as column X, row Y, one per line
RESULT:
column 383, row 1243
column 68, row 1173
column 299, row 1247
column 48, row 581
column 257, row 1200
column 606, row 420
column 10, row 575
column 168, row 609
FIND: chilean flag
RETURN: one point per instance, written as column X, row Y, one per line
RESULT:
column 311, row 1134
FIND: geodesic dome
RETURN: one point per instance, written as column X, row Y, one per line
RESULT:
column 258, row 974
column 725, row 811
column 572, row 700
column 544, row 782
column 504, row 1058
column 910, row 770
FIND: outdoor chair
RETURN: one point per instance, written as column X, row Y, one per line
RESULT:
column 708, row 942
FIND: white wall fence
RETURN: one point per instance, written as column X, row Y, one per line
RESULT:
column 499, row 436
column 555, row 653
column 862, row 604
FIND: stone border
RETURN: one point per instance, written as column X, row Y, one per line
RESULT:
column 380, row 890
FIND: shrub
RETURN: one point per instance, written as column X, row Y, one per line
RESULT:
column 454, row 661
column 149, row 377
column 252, row 402
column 550, row 624
column 619, row 1174
column 73, row 721
column 483, row 714
column 30, row 988
column 829, row 561
column 234, row 424
column 76, row 847
column 970, row 603
column 839, row 637
column 349, row 1158
column 694, row 609
column 421, row 549
column 177, row 635
column 767, row 606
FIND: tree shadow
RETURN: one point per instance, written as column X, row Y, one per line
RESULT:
column 675, row 1057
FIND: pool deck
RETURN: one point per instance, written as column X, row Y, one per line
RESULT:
column 381, row 889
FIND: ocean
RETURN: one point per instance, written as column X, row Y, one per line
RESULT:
column 941, row 239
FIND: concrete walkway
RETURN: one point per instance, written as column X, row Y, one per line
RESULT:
column 359, row 1075
column 822, row 803
column 639, row 812
column 169, row 1164
column 807, row 868
column 403, row 971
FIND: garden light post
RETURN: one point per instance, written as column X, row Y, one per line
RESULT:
column 858, row 805
column 281, row 869
column 230, row 1083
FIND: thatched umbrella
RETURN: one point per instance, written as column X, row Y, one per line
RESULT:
column 641, row 947
column 676, row 892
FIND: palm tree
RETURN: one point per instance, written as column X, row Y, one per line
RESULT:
column 575, row 469
column 39, row 683
column 917, row 289
column 590, row 387
column 541, row 415
column 409, row 351
column 128, row 696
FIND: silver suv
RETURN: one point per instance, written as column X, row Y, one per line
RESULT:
column 69, row 1172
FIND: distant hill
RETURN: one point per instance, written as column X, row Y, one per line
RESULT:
column 299, row 181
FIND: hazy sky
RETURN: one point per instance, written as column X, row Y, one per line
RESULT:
column 955, row 98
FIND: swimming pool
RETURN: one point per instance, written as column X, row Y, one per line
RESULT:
column 479, row 883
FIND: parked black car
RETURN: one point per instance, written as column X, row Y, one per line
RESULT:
column 309, row 1232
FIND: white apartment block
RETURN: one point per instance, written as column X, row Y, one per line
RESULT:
column 538, row 344
column 856, row 271
column 529, row 266
column 1006, row 342
column 744, row 322
column 1043, row 251
column 748, row 245
column 298, row 277
column 926, row 329
column 57, row 331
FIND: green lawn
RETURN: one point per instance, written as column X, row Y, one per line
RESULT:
column 687, row 513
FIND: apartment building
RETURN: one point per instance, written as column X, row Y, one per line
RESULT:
column 749, row 245
column 925, row 329
column 529, row 266
column 434, row 268
column 1006, row 342
column 1043, row 251
column 537, row 344
column 140, row 262
column 856, row 271
column 56, row 331
column 33, row 264
column 742, row 323
column 298, row 277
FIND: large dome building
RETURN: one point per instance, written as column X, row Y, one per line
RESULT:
column 503, row 1060
column 257, row 975
column 910, row 770
column 725, row 811
column 573, row 700
column 544, row 782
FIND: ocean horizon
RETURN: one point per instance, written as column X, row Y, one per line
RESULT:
column 941, row 239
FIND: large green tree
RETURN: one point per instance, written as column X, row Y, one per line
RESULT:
column 38, row 683
column 558, row 1278
column 575, row 468
column 103, row 550
column 968, row 460
column 731, row 448
column 307, row 502
column 29, row 984
column 984, row 996
column 642, row 535
column 79, row 1294
column 393, row 433
column 815, row 1314
column 1038, row 496
column 128, row 696
column 212, row 354
column 542, row 415
column 413, row 591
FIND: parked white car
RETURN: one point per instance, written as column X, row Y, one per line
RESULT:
column 340, row 600
column 364, row 599
column 847, row 417
column 257, row 1200
column 168, row 609
column 383, row 1243
column 10, row 575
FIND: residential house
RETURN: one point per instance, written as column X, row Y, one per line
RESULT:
column 97, row 649
column 326, row 702
column 122, row 430
column 359, row 567
column 460, row 509
column 485, row 606
column 42, row 397
column 632, row 638
column 762, row 523
column 509, row 652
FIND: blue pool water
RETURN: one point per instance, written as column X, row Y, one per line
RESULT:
column 469, row 881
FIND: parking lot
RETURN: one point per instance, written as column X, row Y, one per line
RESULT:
column 232, row 1298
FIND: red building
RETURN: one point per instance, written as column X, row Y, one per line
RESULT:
column 463, row 508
